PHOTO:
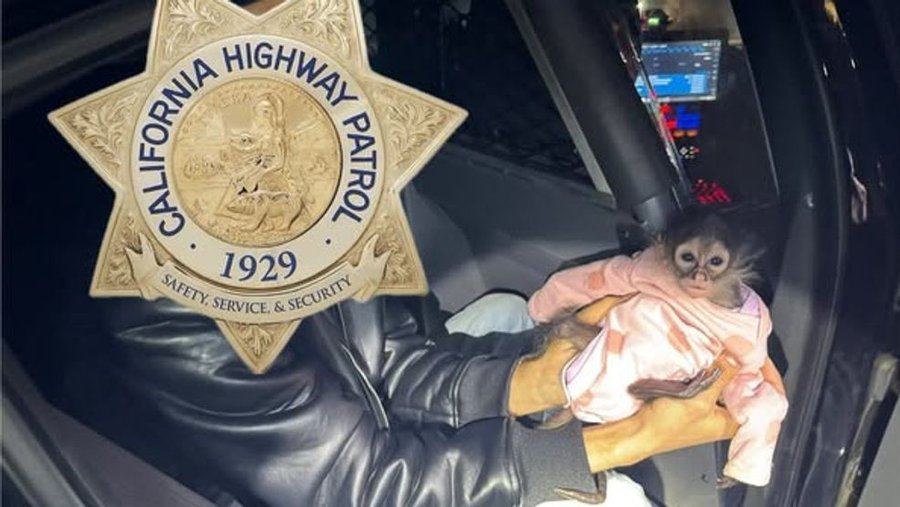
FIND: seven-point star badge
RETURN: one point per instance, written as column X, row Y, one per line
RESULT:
column 257, row 164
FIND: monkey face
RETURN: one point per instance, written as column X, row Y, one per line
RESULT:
column 709, row 258
column 698, row 264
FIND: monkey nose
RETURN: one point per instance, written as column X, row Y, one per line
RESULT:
column 701, row 277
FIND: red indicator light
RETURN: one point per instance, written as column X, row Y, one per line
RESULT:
column 710, row 192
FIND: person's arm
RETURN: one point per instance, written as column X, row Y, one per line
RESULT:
column 486, row 463
column 660, row 426
column 573, row 288
column 458, row 381
column 295, row 436
column 448, row 379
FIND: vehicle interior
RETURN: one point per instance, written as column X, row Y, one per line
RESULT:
column 588, row 126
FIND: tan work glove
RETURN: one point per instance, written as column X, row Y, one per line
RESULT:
column 536, row 383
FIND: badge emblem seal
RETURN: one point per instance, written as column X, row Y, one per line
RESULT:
column 257, row 164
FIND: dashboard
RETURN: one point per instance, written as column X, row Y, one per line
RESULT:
column 681, row 71
column 703, row 91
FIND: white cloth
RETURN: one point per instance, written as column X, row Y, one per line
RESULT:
column 621, row 491
column 497, row 312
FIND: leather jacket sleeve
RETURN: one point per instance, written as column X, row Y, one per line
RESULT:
column 298, row 436
column 436, row 379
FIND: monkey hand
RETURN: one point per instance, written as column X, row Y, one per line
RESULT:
column 536, row 382
column 649, row 389
column 662, row 425
column 726, row 482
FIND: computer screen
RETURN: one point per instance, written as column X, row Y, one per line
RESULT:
column 681, row 71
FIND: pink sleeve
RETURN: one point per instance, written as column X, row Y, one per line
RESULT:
column 751, row 350
column 759, row 408
column 757, row 405
column 573, row 288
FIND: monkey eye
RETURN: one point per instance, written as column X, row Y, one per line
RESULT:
column 688, row 257
column 716, row 261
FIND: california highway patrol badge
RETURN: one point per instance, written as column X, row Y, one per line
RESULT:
column 257, row 164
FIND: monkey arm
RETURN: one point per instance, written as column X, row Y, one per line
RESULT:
column 771, row 375
column 573, row 288
column 760, row 406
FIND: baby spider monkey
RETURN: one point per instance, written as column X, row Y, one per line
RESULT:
column 708, row 258
column 687, row 301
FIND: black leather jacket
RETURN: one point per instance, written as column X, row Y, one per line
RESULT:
column 360, row 409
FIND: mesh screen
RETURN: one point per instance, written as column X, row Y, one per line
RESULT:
column 471, row 54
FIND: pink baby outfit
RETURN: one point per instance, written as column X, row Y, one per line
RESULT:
column 663, row 333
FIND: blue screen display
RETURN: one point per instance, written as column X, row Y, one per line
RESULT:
column 681, row 71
